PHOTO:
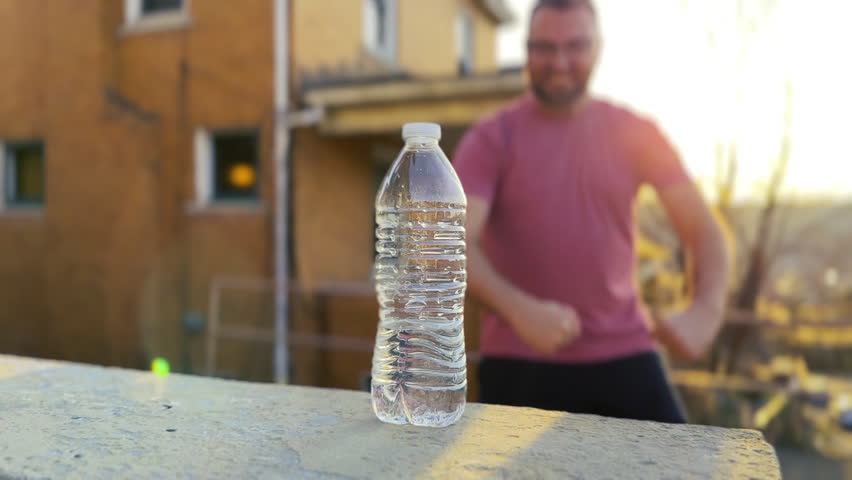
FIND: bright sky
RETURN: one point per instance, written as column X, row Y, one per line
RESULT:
column 706, row 80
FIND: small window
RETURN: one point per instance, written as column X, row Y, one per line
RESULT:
column 235, row 166
column 153, row 15
column 161, row 6
column 227, row 166
column 24, row 174
column 380, row 27
column 465, row 43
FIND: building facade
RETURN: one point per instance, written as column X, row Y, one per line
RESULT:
column 137, row 174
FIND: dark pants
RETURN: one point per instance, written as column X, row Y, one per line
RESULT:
column 630, row 387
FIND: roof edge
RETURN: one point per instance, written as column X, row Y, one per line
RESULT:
column 393, row 90
column 498, row 10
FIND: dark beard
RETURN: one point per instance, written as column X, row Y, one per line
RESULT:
column 561, row 100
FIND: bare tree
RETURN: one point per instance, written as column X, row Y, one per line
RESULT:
column 758, row 260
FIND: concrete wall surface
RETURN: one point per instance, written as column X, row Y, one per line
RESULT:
column 63, row 420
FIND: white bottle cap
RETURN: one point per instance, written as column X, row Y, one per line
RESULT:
column 431, row 130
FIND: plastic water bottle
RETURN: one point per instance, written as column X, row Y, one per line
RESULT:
column 419, row 365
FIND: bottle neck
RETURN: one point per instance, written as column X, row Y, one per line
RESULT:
column 421, row 141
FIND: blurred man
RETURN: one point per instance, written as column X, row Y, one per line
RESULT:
column 551, row 181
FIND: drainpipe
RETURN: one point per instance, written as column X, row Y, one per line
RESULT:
column 282, row 167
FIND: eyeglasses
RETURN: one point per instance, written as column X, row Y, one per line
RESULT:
column 545, row 49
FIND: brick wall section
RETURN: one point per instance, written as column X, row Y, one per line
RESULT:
column 215, row 74
column 63, row 270
column 334, row 192
column 107, row 271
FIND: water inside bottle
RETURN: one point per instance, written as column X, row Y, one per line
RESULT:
column 419, row 365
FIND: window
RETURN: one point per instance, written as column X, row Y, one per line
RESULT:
column 154, row 15
column 235, row 166
column 23, row 174
column 465, row 43
column 380, row 28
column 226, row 166
column 161, row 6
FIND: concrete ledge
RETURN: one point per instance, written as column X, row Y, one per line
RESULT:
column 60, row 420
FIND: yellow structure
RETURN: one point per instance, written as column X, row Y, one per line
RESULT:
column 440, row 66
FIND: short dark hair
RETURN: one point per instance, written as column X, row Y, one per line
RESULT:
column 564, row 5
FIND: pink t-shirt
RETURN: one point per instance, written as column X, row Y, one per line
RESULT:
column 561, row 225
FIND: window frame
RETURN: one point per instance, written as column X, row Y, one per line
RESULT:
column 137, row 21
column 8, row 174
column 389, row 50
column 465, row 43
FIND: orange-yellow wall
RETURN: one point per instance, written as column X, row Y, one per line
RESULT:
column 106, row 273
column 426, row 37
